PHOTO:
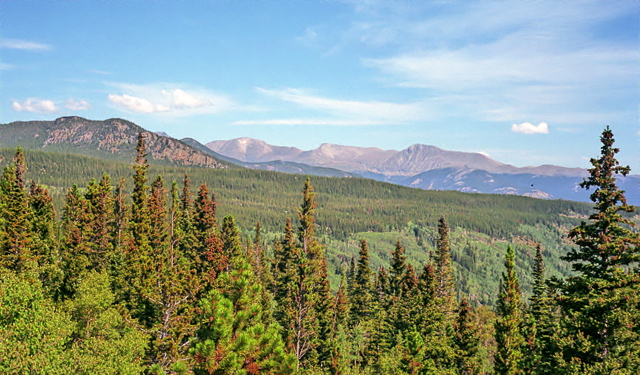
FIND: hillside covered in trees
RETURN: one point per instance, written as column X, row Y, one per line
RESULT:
column 350, row 210
column 138, row 275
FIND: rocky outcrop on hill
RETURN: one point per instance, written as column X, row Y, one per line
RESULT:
column 113, row 139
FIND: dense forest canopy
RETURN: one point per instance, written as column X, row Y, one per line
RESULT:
column 147, row 269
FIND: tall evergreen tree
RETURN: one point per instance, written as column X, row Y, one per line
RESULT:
column 140, row 268
column 43, row 227
column 320, row 299
column 362, row 297
column 444, row 271
column 232, row 245
column 140, row 223
column 21, row 168
column 100, row 207
column 16, row 236
column 171, row 289
column 543, row 330
column 602, row 303
column 509, row 337
column 75, row 256
column 466, row 340
column 397, row 270
column 205, row 229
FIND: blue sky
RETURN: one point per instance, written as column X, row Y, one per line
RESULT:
column 527, row 82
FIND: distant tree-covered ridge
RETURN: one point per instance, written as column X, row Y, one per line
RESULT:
column 352, row 209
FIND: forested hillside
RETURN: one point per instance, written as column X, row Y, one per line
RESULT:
column 352, row 209
column 162, row 269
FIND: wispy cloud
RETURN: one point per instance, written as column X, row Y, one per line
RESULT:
column 77, row 105
column 540, row 58
column 169, row 99
column 35, row 106
column 306, row 122
column 352, row 112
column 529, row 128
column 25, row 45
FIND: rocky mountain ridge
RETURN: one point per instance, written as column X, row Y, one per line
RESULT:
column 431, row 168
column 413, row 160
column 112, row 138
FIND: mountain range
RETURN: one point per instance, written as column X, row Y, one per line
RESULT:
column 418, row 166
column 427, row 167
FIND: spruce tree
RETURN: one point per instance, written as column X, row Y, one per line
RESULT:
column 601, row 304
column 444, row 271
column 99, row 226
column 231, row 243
column 362, row 297
column 140, row 267
column 397, row 270
column 205, row 228
column 466, row 340
column 45, row 239
column 76, row 248
column 140, row 223
column 320, row 297
column 16, row 236
column 508, row 327
column 542, row 330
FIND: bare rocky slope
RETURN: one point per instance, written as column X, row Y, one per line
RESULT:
column 112, row 139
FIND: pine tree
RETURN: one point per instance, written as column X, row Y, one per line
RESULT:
column 231, row 243
column 205, row 229
column 466, row 340
column 320, row 297
column 140, row 223
column 21, row 169
column 232, row 337
column 99, row 226
column 444, row 271
column 341, row 306
column 75, row 254
column 140, row 267
column 159, row 224
column 16, row 237
column 509, row 337
column 542, row 330
column 120, row 222
column 397, row 270
column 362, row 297
column 601, row 304
column 44, row 229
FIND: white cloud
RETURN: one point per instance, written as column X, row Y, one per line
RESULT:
column 136, row 104
column 77, row 105
column 529, row 128
column 23, row 45
column 35, row 105
column 351, row 111
column 169, row 99
column 184, row 100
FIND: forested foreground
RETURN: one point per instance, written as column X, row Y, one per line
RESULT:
column 153, row 281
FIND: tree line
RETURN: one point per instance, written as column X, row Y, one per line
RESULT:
column 154, row 282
